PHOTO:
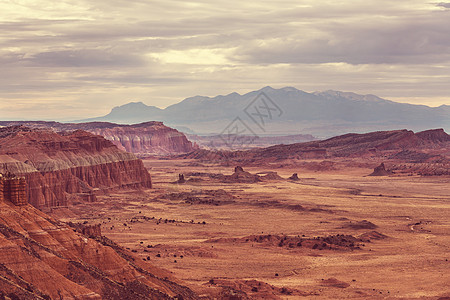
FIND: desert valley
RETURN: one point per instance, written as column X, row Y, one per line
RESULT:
column 359, row 216
column 220, row 150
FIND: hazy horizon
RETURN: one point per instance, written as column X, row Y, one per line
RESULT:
column 107, row 110
column 66, row 61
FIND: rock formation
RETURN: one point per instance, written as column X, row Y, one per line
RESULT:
column 380, row 171
column 92, row 230
column 294, row 177
column 434, row 135
column 269, row 175
column 205, row 197
column 238, row 169
column 241, row 176
column 55, row 165
column 181, row 179
column 331, row 242
column 364, row 224
column 13, row 189
column 149, row 138
column 41, row 258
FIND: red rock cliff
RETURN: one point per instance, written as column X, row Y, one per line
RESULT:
column 13, row 189
column 149, row 138
column 145, row 138
column 377, row 144
column 56, row 165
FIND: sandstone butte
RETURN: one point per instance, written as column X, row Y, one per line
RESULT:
column 41, row 258
column 149, row 138
column 76, row 163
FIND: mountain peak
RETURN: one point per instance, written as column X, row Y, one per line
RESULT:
column 289, row 89
column 332, row 94
column 135, row 106
column 138, row 104
column 267, row 88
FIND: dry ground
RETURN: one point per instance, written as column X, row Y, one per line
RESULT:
column 413, row 262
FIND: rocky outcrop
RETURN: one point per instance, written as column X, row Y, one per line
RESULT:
column 269, row 175
column 55, row 165
column 92, row 230
column 294, row 177
column 203, row 197
column 241, row 176
column 149, row 138
column 181, row 179
column 13, row 189
column 434, row 136
column 380, row 171
column 331, row 242
column 41, row 258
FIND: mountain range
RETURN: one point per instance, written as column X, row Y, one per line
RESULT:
column 270, row 111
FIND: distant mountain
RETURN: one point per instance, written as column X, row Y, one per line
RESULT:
column 130, row 113
column 287, row 111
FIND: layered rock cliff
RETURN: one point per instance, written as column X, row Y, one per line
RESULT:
column 146, row 138
column 41, row 258
column 149, row 138
column 78, row 162
column 428, row 150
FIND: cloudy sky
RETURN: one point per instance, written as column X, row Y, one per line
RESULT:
column 68, row 60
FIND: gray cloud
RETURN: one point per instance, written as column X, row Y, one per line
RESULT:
column 443, row 4
column 84, row 58
column 164, row 51
column 402, row 40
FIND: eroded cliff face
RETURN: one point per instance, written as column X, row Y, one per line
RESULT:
column 56, row 165
column 146, row 138
column 422, row 153
column 149, row 138
column 41, row 257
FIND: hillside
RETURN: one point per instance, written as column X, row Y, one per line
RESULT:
column 219, row 142
column 428, row 151
column 41, row 258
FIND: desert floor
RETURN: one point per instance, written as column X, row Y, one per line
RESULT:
column 201, row 242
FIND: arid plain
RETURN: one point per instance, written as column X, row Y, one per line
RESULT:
column 332, row 234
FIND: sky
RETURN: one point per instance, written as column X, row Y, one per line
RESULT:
column 66, row 60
